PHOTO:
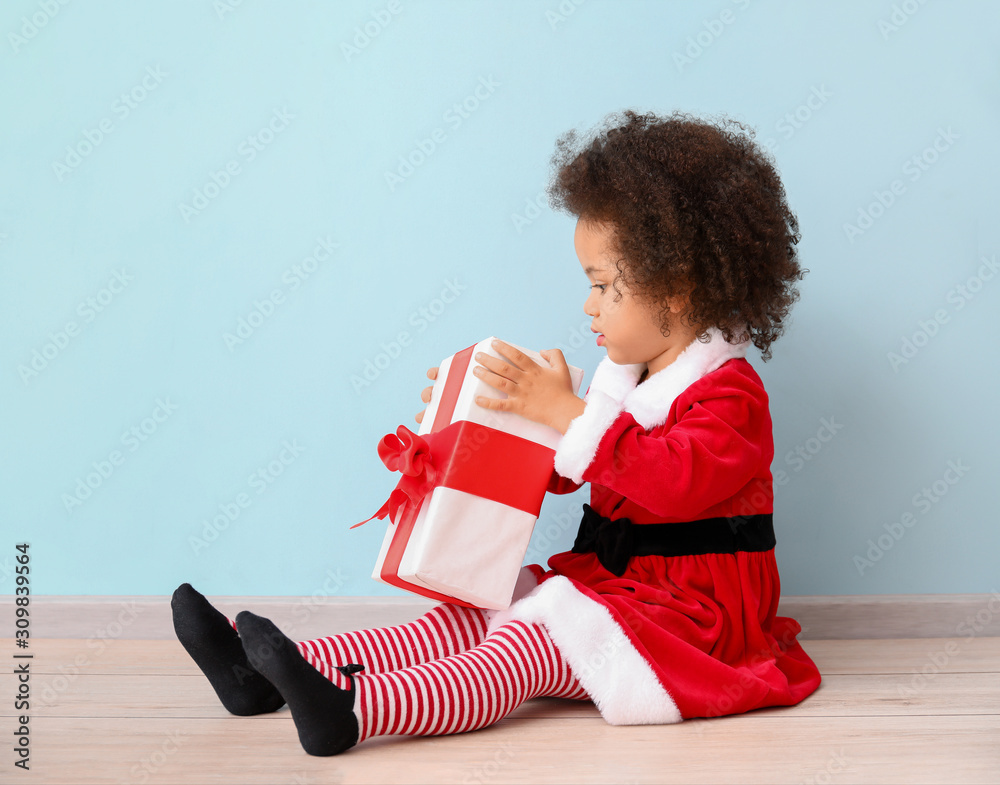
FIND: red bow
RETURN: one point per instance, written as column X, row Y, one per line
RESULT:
column 409, row 454
column 405, row 452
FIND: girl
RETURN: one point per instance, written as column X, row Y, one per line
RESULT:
column 665, row 608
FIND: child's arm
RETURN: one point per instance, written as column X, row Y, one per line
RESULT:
column 713, row 450
column 559, row 484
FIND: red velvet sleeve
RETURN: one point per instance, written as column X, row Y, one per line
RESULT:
column 560, row 484
column 711, row 452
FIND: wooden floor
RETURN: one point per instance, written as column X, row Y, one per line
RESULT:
column 889, row 711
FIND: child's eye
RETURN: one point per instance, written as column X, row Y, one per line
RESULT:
column 601, row 286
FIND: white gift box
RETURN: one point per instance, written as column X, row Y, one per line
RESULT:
column 462, row 545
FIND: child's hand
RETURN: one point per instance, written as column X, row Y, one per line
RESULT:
column 425, row 396
column 543, row 394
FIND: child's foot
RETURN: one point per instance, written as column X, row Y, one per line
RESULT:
column 216, row 648
column 323, row 712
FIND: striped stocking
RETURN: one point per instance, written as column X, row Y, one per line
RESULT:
column 444, row 630
column 459, row 692
column 333, row 708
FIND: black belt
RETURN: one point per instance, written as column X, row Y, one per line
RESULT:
column 617, row 541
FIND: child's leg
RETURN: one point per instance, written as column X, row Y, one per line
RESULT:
column 444, row 630
column 212, row 640
column 456, row 693
column 215, row 646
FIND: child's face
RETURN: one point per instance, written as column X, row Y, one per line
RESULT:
column 629, row 329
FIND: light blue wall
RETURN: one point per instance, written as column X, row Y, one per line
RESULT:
column 874, row 86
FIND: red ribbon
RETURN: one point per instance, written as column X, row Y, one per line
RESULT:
column 409, row 454
column 468, row 457
column 410, row 450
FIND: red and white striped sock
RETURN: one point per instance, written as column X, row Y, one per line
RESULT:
column 460, row 692
column 444, row 630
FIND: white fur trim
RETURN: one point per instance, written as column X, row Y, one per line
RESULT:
column 578, row 445
column 616, row 677
column 605, row 400
column 615, row 388
column 616, row 381
column 650, row 401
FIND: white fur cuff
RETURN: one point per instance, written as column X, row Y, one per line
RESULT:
column 578, row 445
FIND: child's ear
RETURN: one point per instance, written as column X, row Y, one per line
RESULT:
column 680, row 303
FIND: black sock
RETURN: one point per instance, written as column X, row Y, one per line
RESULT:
column 323, row 713
column 216, row 648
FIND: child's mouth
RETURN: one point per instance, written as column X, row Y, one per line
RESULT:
column 600, row 340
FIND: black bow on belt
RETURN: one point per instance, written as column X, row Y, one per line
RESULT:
column 612, row 540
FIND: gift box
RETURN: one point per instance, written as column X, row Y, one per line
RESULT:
column 473, row 482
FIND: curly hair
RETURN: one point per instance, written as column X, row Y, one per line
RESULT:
column 696, row 210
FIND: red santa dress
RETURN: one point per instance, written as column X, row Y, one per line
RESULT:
column 693, row 633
